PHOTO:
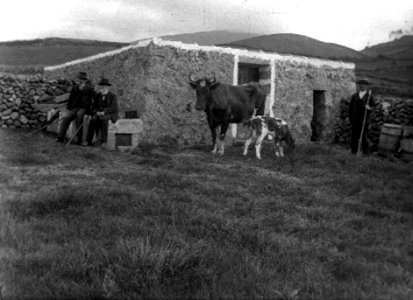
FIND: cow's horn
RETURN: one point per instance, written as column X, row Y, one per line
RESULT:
column 192, row 77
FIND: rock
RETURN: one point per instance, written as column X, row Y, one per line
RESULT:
column 14, row 115
column 62, row 98
column 45, row 99
column 3, row 107
column 23, row 119
column 6, row 112
column 34, row 116
column 58, row 92
column 16, row 123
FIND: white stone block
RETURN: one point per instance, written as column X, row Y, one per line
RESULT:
column 131, row 127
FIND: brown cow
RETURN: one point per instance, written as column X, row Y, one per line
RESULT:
column 225, row 104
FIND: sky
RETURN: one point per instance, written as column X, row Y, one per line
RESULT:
column 352, row 23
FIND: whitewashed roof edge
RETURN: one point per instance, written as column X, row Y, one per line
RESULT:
column 318, row 62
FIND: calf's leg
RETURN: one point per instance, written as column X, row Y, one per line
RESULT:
column 248, row 141
column 258, row 143
column 282, row 143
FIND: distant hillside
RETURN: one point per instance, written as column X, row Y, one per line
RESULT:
column 287, row 43
column 401, row 48
column 50, row 51
column 209, row 38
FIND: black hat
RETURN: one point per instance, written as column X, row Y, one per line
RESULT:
column 363, row 81
column 104, row 81
column 82, row 76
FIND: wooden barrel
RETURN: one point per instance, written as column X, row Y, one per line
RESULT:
column 390, row 136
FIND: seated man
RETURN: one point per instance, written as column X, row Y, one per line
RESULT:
column 105, row 108
column 79, row 104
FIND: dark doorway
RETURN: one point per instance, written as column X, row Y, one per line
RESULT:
column 318, row 122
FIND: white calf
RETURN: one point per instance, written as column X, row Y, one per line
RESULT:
column 263, row 126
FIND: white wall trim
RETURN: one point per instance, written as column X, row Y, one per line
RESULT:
column 272, row 90
column 235, row 82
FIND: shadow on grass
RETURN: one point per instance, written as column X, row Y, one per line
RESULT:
column 28, row 159
column 44, row 204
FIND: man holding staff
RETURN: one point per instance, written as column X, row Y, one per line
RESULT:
column 360, row 107
column 79, row 105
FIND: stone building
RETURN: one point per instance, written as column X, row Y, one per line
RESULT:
column 151, row 77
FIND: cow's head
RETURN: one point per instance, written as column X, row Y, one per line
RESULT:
column 203, row 89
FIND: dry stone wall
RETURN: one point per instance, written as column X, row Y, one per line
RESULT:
column 20, row 97
column 294, row 86
column 388, row 110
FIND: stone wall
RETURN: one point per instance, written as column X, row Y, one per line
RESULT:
column 389, row 109
column 20, row 97
column 295, row 84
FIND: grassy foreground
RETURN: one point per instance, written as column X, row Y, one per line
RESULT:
column 171, row 223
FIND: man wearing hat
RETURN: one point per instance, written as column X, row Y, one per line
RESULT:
column 105, row 108
column 79, row 104
column 360, row 102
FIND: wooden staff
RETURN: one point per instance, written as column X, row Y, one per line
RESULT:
column 52, row 119
column 362, row 128
column 71, row 139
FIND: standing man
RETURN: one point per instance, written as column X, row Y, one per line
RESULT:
column 360, row 102
column 105, row 108
column 79, row 104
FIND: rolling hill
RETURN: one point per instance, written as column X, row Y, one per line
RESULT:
column 389, row 66
column 50, row 51
column 287, row 43
column 401, row 48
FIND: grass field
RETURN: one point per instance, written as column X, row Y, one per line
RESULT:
column 175, row 223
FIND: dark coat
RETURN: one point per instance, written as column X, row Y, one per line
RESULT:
column 357, row 108
column 107, row 104
column 81, row 98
